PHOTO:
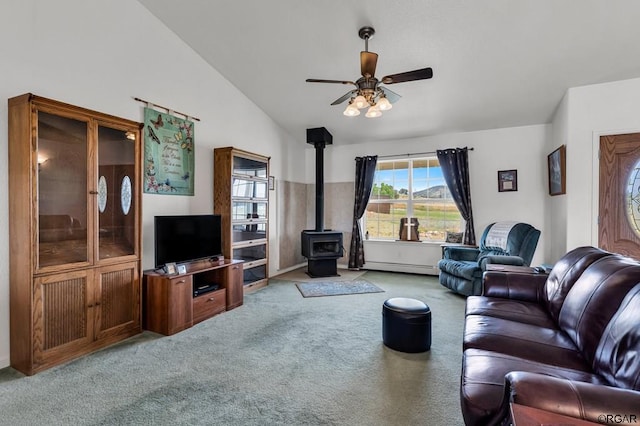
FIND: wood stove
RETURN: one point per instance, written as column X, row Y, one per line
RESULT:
column 321, row 247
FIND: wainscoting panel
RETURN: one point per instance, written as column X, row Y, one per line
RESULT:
column 292, row 219
column 338, row 211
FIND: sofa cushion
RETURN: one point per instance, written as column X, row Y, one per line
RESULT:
column 517, row 310
column 618, row 355
column 526, row 341
column 564, row 275
column 483, row 378
column 594, row 299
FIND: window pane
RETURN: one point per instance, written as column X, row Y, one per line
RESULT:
column 424, row 196
column 383, row 219
column 391, row 180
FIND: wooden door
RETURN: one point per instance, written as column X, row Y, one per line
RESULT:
column 619, row 211
column 117, row 300
column 234, row 283
column 62, row 320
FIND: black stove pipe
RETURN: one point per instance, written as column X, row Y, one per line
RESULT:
column 319, row 138
column 319, row 187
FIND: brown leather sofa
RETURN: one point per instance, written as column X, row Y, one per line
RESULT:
column 568, row 342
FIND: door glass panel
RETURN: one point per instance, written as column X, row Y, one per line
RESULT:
column 254, row 274
column 249, row 232
column 633, row 198
column 116, row 213
column 247, row 167
column 245, row 188
column 249, row 254
column 62, row 190
column 249, row 210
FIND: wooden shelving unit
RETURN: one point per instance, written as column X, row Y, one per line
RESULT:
column 241, row 198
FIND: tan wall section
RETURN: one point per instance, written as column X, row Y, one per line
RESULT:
column 296, row 212
column 292, row 219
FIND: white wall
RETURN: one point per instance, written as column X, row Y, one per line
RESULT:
column 520, row 148
column 585, row 114
column 100, row 55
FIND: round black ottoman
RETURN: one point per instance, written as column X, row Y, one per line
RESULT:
column 406, row 325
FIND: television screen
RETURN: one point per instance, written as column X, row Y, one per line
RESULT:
column 184, row 238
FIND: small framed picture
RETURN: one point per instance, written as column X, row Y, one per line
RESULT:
column 170, row 268
column 507, row 180
column 557, row 174
column 182, row 269
column 272, row 183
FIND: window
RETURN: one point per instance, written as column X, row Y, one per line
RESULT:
column 411, row 188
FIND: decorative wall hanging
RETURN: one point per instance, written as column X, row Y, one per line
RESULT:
column 169, row 158
column 557, row 171
column 507, row 180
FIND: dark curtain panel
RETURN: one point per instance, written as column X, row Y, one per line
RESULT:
column 455, row 168
column 365, row 170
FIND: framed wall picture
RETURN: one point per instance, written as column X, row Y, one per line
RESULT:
column 507, row 180
column 557, row 171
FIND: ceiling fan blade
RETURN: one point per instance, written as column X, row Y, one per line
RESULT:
column 315, row 80
column 391, row 96
column 344, row 97
column 368, row 61
column 421, row 74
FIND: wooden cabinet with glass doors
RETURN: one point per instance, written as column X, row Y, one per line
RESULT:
column 241, row 197
column 74, row 212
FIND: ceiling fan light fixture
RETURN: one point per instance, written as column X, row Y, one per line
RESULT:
column 360, row 102
column 351, row 111
column 373, row 112
column 384, row 104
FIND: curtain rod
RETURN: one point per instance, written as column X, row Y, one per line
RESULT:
column 169, row 110
column 412, row 155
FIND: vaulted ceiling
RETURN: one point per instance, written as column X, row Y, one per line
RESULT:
column 496, row 63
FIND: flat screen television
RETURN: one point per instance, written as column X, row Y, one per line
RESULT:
column 184, row 238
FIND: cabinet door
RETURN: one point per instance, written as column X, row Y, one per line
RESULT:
column 117, row 300
column 62, row 316
column 234, row 285
column 180, row 304
column 116, row 193
column 63, row 220
column 249, row 167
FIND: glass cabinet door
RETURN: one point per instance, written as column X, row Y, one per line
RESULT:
column 242, row 210
column 249, row 232
column 251, row 189
column 62, row 190
column 248, row 167
column 116, row 201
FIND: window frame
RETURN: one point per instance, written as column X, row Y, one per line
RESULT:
column 410, row 202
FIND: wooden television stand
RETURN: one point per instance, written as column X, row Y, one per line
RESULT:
column 168, row 301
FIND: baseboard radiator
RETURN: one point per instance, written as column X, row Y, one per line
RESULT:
column 402, row 256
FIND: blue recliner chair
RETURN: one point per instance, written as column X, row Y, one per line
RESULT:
column 507, row 243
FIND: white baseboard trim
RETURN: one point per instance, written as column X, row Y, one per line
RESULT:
column 402, row 267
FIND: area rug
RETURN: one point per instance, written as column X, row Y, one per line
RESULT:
column 336, row 288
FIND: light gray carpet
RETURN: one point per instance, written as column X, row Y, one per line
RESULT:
column 337, row 288
column 278, row 360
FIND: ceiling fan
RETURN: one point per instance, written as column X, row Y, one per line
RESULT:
column 369, row 92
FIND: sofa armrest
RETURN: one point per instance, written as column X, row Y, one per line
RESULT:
column 514, row 285
column 461, row 253
column 582, row 400
column 500, row 260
